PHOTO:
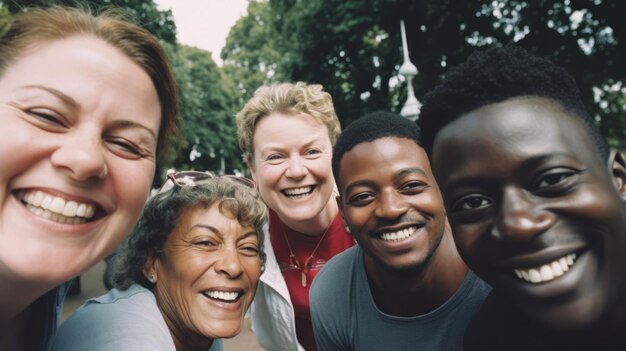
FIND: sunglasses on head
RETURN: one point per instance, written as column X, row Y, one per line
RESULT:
column 195, row 178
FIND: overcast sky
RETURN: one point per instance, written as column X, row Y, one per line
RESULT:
column 204, row 23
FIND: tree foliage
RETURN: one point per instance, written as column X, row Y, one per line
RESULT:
column 250, row 55
column 208, row 104
column 353, row 47
column 144, row 12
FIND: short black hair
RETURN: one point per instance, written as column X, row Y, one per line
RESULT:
column 370, row 127
column 495, row 75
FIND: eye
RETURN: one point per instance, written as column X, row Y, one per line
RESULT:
column 413, row 186
column 47, row 117
column 125, row 148
column 205, row 243
column 471, row 202
column 553, row 178
column 274, row 158
column 361, row 199
column 250, row 250
column 312, row 151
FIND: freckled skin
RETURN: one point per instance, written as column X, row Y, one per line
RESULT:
column 523, row 183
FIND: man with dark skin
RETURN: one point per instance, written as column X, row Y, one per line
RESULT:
column 404, row 286
column 536, row 203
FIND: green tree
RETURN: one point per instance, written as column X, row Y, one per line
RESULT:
column 208, row 103
column 144, row 12
column 353, row 47
column 250, row 56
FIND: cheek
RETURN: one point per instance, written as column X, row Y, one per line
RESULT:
column 252, row 267
column 267, row 176
column 322, row 169
column 357, row 217
column 467, row 241
column 132, row 195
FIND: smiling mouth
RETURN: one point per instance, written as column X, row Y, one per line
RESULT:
column 57, row 209
column 296, row 193
column 547, row 272
column 223, row 296
column 398, row 235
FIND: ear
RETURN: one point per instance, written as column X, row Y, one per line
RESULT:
column 617, row 168
column 150, row 268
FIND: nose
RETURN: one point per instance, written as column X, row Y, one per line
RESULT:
column 296, row 168
column 391, row 205
column 81, row 156
column 520, row 218
column 229, row 263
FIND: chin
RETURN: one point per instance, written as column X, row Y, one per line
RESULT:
column 57, row 267
column 224, row 331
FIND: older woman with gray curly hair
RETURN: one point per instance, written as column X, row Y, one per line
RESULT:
column 185, row 276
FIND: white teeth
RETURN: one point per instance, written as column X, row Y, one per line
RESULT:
column 535, row 277
column 298, row 191
column 37, row 198
column 556, row 269
column 47, row 201
column 546, row 272
column 57, row 205
column 70, row 209
column 57, row 208
column 222, row 295
column 399, row 235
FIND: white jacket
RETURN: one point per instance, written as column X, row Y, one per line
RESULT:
column 273, row 317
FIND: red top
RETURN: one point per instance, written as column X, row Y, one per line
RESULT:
column 335, row 241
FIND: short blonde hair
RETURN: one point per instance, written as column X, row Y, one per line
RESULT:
column 290, row 99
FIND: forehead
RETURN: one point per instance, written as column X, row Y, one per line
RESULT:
column 277, row 120
column 201, row 215
column 495, row 136
column 384, row 156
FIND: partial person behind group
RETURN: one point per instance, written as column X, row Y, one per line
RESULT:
column 186, row 275
column 404, row 287
column 286, row 133
column 88, row 105
column 536, row 203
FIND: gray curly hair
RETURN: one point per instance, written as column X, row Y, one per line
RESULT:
column 161, row 215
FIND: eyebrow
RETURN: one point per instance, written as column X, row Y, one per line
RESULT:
column 398, row 175
column 59, row 94
column 275, row 147
column 216, row 231
column 124, row 123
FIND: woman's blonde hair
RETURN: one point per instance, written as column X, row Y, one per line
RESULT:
column 37, row 26
column 289, row 99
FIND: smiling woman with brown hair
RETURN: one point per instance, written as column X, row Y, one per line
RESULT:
column 87, row 103
column 186, row 275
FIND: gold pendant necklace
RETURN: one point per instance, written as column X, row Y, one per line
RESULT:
column 308, row 263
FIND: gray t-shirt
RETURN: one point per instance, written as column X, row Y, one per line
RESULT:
column 127, row 320
column 345, row 316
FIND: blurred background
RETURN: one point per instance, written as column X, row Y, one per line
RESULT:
column 354, row 49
